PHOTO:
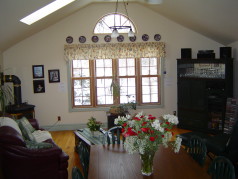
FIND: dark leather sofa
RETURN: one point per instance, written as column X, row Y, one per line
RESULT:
column 19, row 162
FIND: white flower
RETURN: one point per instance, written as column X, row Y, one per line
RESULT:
column 177, row 144
column 171, row 118
column 156, row 125
column 139, row 114
column 121, row 119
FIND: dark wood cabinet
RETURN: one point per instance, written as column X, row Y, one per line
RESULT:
column 203, row 88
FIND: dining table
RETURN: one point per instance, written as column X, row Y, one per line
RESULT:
column 113, row 162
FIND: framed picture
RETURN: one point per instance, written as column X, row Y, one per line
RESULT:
column 54, row 76
column 39, row 86
column 38, row 71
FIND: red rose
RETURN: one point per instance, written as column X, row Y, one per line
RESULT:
column 152, row 139
column 124, row 125
column 151, row 117
column 136, row 118
column 162, row 136
column 167, row 123
column 145, row 130
column 152, row 131
column 144, row 123
column 130, row 132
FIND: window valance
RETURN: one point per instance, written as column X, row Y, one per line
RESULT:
column 115, row 50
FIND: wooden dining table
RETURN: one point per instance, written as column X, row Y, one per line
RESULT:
column 113, row 162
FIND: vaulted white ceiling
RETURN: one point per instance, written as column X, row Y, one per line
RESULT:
column 216, row 19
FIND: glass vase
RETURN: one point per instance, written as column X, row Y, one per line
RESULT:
column 147, row 162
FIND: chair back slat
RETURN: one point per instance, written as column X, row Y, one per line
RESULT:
column 221, row 168
column 197, row 149
column 114, row 135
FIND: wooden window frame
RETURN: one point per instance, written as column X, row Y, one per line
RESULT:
column 138, row 80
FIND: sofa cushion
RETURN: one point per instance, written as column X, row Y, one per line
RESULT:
column 26, row 133
column 6, row 121
column 26, row 124
column 36, row 145
column 40, row 136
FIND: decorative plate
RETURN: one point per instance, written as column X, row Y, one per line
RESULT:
column 107, row 38
column 132, row 39
column 69, row 39
column 145, row 37
column 120, row 38
column 157, row 37
column 82, row 39
column 95, row 39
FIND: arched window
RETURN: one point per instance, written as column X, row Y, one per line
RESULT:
column 104, row 24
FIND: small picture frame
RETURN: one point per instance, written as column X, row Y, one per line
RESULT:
column 39, row 86
column 38, row 71
column 54, row 76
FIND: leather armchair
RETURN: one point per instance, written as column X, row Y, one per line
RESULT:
column 18, row 161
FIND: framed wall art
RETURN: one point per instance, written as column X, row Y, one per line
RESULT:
column 38, row 71
column 39, row 86
column 54, row 76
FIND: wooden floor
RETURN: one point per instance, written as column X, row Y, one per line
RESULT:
column 65, row 140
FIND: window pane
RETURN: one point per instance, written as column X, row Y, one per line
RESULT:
column 107, row 21
column 104, row 95
column 128, row 90
column 150, row 88
column 145, row 70
column 154, row 98
column 82, row 92
column 126, row 67
column 146, row 98
column 131, row 71
column 103, row 67
column 153, row 70
column 149, row 66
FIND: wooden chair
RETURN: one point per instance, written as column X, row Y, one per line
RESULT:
column 197, row 149
column 76, row 173
column 113, row 135
column 221, row 168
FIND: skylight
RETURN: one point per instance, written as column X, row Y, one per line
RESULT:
column 45, row 11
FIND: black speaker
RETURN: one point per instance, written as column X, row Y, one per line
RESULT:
column 225, row 52
column 186, row 53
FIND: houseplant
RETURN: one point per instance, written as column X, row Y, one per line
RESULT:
column 144, row 134
column 5, row 95
column 93, row 124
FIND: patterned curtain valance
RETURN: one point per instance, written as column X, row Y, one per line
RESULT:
column 118, row 50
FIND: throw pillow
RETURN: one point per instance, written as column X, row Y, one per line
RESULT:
column 35, row 145
column 26, row 123
column 6, row 121
column 26, row 133
column 41, row 136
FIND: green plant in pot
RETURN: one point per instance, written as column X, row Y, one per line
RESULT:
column 6, row 95
column 93, row 124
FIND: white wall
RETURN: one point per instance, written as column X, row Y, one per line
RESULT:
column 47, row 48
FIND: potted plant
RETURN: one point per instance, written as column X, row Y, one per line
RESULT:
column 5, row 95
column 93, row 125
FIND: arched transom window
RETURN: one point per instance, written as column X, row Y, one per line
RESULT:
column 104, row 24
